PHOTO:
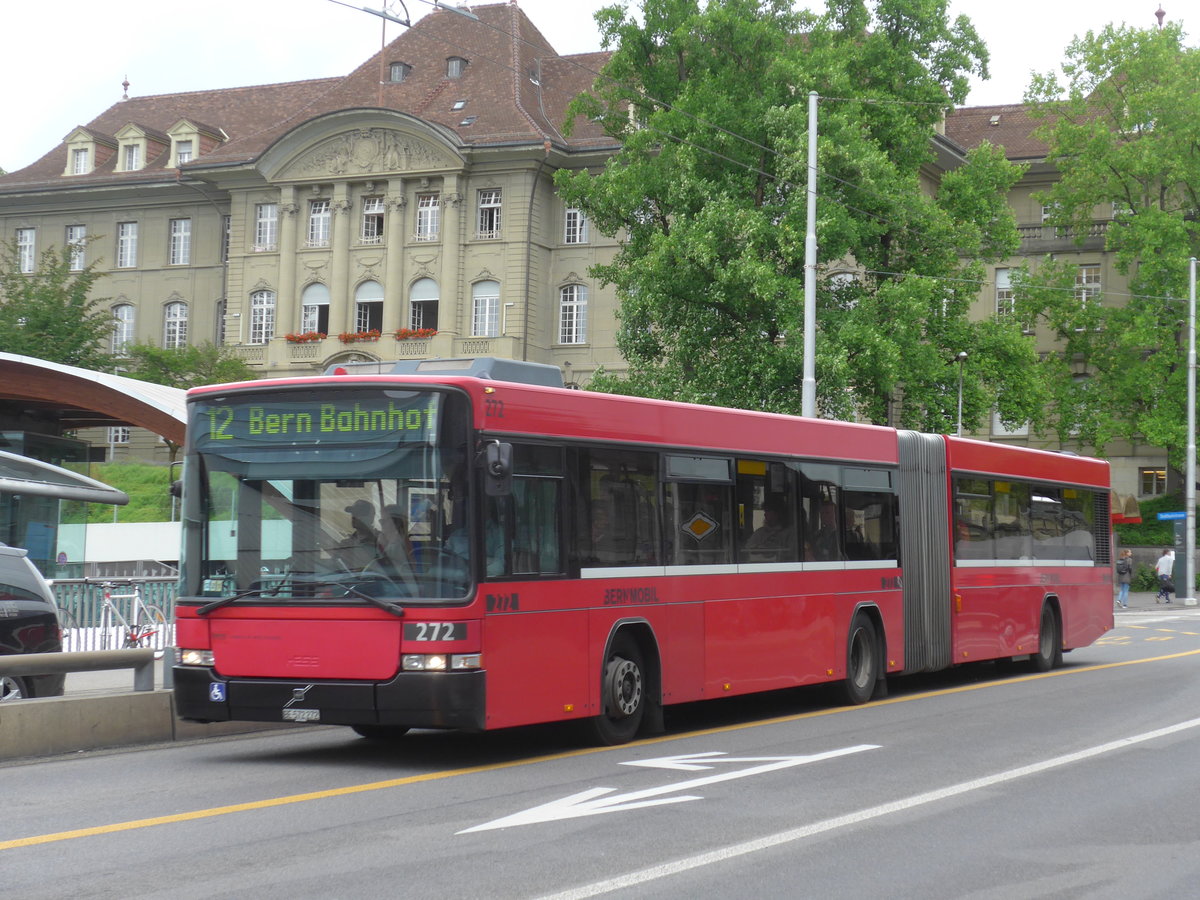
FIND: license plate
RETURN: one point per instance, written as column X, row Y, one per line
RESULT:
column 302, row 715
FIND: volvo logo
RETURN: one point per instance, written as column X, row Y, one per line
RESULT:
column 298, row 695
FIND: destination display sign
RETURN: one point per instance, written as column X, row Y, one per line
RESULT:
column 330, row 417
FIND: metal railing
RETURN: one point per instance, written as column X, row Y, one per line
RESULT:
column 89, row 622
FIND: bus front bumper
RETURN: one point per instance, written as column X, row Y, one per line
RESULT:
column 414, row 699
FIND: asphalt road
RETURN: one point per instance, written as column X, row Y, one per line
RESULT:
column 1078, row 783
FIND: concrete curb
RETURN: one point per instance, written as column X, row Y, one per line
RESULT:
column 57, row 725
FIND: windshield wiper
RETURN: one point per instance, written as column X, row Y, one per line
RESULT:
column 351, row 591
column 395, row 610
column 214, row 605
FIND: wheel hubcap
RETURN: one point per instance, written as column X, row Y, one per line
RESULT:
column 625, row 686
column 9, row 690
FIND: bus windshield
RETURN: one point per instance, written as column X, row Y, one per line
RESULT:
column 327, row 494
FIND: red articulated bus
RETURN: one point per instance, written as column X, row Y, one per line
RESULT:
column 463, row 544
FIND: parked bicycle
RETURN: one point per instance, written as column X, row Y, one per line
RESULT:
column 144, row 628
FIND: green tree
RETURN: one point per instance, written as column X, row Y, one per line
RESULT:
column 183, row 367
column 49, row 314
column 708, row 193
column 1124, row 134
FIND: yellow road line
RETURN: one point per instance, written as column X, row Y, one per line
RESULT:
column 587, row 751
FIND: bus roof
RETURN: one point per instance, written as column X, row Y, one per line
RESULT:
column 986, row 458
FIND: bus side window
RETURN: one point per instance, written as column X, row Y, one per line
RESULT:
column 700, row 518
column 767, row 512
column 534, row 510
column 617, row 522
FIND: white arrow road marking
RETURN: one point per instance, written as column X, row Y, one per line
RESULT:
column 593, row 802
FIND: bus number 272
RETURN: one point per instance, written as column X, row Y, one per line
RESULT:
column 435, row 631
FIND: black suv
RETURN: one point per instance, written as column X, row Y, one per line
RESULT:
column 28, row 624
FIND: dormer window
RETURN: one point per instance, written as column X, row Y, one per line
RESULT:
column 183, row 152
column 455, row 66
column 131, row 157
column 87, row 150
column 398, row 71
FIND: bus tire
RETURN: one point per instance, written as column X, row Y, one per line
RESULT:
column 862, row 661
column 380, row 732
column 622, row 694
column 1049, row 651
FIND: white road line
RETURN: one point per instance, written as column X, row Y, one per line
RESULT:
column 633, row 879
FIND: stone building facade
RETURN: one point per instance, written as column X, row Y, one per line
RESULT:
column 405, row 210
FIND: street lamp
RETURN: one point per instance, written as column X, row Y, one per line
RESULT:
column 961, row 358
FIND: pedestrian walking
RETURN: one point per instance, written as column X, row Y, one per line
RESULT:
column 1165, row 567
column 1124, row 577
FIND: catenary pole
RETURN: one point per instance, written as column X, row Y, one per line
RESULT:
column 808, row 392
column 1189, row 546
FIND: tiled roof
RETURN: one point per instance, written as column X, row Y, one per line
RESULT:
column 515, row 86
column 1009, row 126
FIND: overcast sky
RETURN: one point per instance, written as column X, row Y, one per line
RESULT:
column 62, row 64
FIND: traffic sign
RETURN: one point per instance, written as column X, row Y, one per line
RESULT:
column 1170, row 516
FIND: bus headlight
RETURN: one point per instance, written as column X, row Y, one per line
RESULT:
column 195, row 657
column 440, row 662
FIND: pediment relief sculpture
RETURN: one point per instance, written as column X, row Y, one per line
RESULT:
column 375, row 150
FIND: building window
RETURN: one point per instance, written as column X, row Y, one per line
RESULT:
column 455, row 66
column 183, row 152
column 429, row 217
column 368, row 306
column 1005, row 306
column 314, row 309
column 1000, row 430
column 1152, row 482
column 489, row 213
column 77, row 241
column 80, row 161
column 219, row 324
column 372, row 220
column 118, row 434
column 262, row 316
column 398, row 71
column 318, row 223
column 266, row 226
column 1087, row 285
column 226, row 231
column 132, row 154
column 576, row 231
column 26, row 255
column 123, row 317
column 572, row 314
column 127, row 234
column 485, row 309
column 423, row 304
column 181, row 242
column 175, row 323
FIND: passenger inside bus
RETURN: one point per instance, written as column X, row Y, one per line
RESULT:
column 826, row 543
column 359, row 547
column 774, row 539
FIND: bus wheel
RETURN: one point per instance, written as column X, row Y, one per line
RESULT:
column 862, row 661
column 1049, row 652
column 622, row 693
column 380, row 732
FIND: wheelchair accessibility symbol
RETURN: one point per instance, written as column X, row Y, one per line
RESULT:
column 216, row 693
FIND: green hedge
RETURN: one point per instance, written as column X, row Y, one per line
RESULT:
column 1151, row 532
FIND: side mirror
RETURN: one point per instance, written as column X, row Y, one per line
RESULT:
column 497, row 469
